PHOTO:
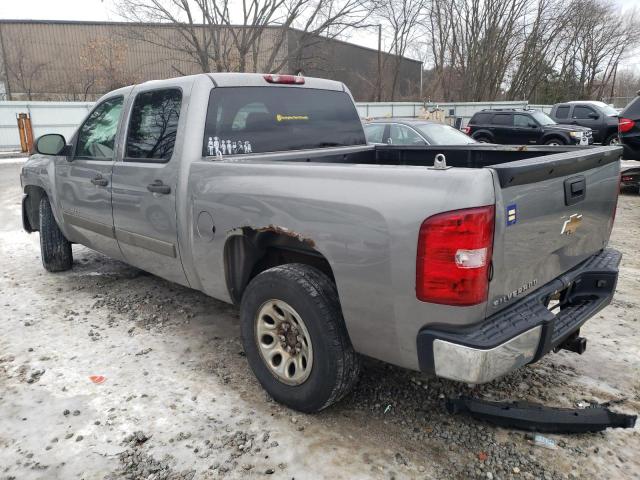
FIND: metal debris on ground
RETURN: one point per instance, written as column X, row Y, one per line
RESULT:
column 540, row 418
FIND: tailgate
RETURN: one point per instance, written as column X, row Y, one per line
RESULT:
column 552, row 213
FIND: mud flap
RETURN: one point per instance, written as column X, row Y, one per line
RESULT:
column 539, row 418
column 26, row 224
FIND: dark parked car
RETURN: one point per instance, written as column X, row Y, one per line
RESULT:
column 598, row 116
column 629, row 129
column 516, row 126
column 405, row 131
column 630, row 175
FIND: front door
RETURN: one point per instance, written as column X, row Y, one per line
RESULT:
column 83, row 181
column 525, row 129
column 587, row 116
column 145, row 182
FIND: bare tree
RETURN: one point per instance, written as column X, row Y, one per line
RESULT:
column 242, row 35
column 400, row 20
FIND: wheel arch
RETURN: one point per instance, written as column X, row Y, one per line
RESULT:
column 555, row 135
column 482, row 133
column 249, row 251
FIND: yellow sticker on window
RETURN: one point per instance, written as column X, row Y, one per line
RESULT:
column 284, row 118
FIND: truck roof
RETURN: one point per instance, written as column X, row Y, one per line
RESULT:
column 236, row 79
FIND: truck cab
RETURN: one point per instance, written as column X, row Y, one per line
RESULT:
column 598, row 116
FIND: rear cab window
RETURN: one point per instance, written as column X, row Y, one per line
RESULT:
column 244, row 120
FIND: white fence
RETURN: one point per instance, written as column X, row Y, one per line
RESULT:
column 465, row 110
column 64, row 117
column 46, row 117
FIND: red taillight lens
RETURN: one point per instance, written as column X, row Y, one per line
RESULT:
column 285, row 79
column 454, row 254
column 625, row 124
column 467, row 130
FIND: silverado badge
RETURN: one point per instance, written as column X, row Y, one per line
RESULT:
column 570, row 226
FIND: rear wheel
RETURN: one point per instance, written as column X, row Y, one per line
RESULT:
column 554, row 142
column 612, row 140
column 483, row 139
column 295, row 338
column 55, row 249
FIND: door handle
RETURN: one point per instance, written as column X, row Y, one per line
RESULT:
column 100, row 181
column 158, row 187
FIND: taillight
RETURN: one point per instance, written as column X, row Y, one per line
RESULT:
column 625, row 124
column 285, row 79
column 467, row 130
column 454, row 254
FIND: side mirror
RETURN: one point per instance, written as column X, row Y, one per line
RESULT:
column 50, row 144
column 594, row 116
column 533, row 125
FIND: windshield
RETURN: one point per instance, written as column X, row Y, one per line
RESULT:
column 437, row 134
column 542, row 118
column 606, row 109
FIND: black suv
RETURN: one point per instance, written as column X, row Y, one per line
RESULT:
column 517, row 126
column 598, row 116
column 629, row 129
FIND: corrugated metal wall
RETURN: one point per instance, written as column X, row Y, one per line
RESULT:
column 65, row 60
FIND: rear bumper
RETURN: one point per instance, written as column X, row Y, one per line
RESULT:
column 523, row 332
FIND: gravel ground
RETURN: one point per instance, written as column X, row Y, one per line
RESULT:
column 175, row 399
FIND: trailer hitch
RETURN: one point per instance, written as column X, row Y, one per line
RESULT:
column 539, row 418
column 575, row 343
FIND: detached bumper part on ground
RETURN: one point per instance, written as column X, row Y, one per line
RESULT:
column 533, row 417
column 523, row 332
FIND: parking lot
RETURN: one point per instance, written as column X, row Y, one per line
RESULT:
column 108, row 372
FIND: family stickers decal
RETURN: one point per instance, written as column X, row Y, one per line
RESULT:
column 216, row 147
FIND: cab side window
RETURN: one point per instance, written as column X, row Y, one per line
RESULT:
column 96, row 136
column 153, row 126
column 505, row 119
column 522, row 121
column 583, row 113
column 562, row 112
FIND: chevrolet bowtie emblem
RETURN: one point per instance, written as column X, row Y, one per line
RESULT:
column 570, row 226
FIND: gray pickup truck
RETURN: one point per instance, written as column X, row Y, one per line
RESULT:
column 464, row 262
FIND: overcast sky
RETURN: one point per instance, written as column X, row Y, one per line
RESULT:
column 104, row 10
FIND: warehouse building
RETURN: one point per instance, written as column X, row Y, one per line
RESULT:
column 65, row 60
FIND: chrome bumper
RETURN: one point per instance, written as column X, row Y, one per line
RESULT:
column 472, row 365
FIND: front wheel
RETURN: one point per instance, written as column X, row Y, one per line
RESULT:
column 554, row 142
column 55, row 249
column 295, row 338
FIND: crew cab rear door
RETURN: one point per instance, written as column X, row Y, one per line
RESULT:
column 145, row 179
column 552, row 213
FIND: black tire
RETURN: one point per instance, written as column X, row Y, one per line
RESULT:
column 482, row 139
column 55, row 249
column 336, row 366
column 612, row 138
column 555, row 141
